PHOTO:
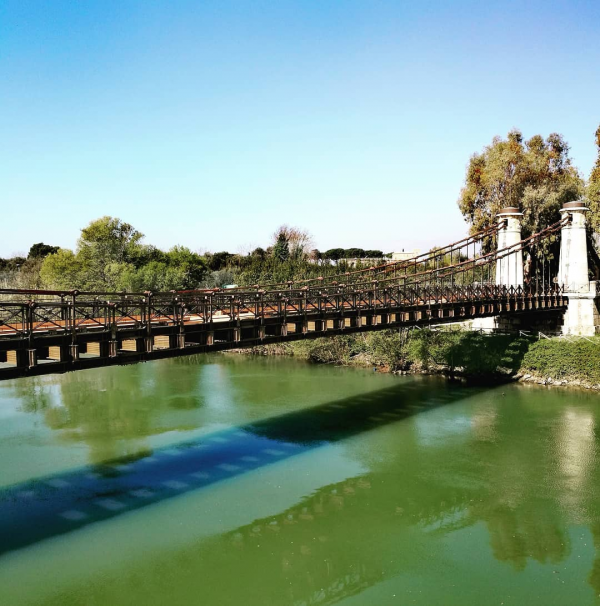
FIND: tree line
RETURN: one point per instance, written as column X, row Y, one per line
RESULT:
column 111, row 255
column 536, row 175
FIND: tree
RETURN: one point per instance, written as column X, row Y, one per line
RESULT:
column 354, row 253
column 374, row 254
column 315, row 255
column 259, row 253
column 41, row 250
column 190, row 267
column 106, row 249
column 142, row 254
column 217, row 261
column 593, row 190
column 334, row 254
column 62, row 270
column 12, row 264
column 281, row 248
column 218, row 279
column 535, row 176
column 299, row 240
column 109, row 238
column 158, row 276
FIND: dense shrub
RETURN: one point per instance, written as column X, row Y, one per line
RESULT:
column 560, row 359
column 471, row 353
column 337, row 350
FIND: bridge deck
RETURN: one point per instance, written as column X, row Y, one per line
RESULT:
column 50, row 336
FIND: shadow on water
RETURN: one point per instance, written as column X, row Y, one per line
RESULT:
column 53, row 505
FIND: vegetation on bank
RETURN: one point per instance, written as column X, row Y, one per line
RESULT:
column 559, row 359
column 454, row 352
column 462, row 351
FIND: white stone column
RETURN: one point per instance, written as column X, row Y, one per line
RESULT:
column 509, row 268
column 582, row 316
column 573, row 262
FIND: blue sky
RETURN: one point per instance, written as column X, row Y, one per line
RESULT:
column 209, row 124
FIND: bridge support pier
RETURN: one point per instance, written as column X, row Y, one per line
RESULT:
column 582, row 316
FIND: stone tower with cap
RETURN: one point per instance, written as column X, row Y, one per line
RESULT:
column 509, row 268
column 582, row 317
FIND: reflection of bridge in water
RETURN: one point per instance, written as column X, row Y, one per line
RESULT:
column 49, row 506
column 343, row 538
column 53, row 331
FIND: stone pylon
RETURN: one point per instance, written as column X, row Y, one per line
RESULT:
column 573, row 263
column 582, row 317
column 509, row 268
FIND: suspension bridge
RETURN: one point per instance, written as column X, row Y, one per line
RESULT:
column 541, row 277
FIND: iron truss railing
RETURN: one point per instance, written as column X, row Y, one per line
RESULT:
column 128, row 311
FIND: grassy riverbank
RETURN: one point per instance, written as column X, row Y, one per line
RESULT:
column 576, row 361
column 457, row 352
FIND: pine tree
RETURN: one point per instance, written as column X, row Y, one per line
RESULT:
column 281, row 250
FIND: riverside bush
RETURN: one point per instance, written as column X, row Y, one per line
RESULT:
column 471, row 353
column 559, row 359
column 334, row 350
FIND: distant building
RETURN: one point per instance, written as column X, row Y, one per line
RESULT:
column 404, row 256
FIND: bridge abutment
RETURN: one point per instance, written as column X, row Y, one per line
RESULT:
column 582, row 317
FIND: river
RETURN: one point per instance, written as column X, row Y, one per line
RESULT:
column 227, row 479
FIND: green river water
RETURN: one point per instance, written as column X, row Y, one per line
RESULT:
column 218, row 480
